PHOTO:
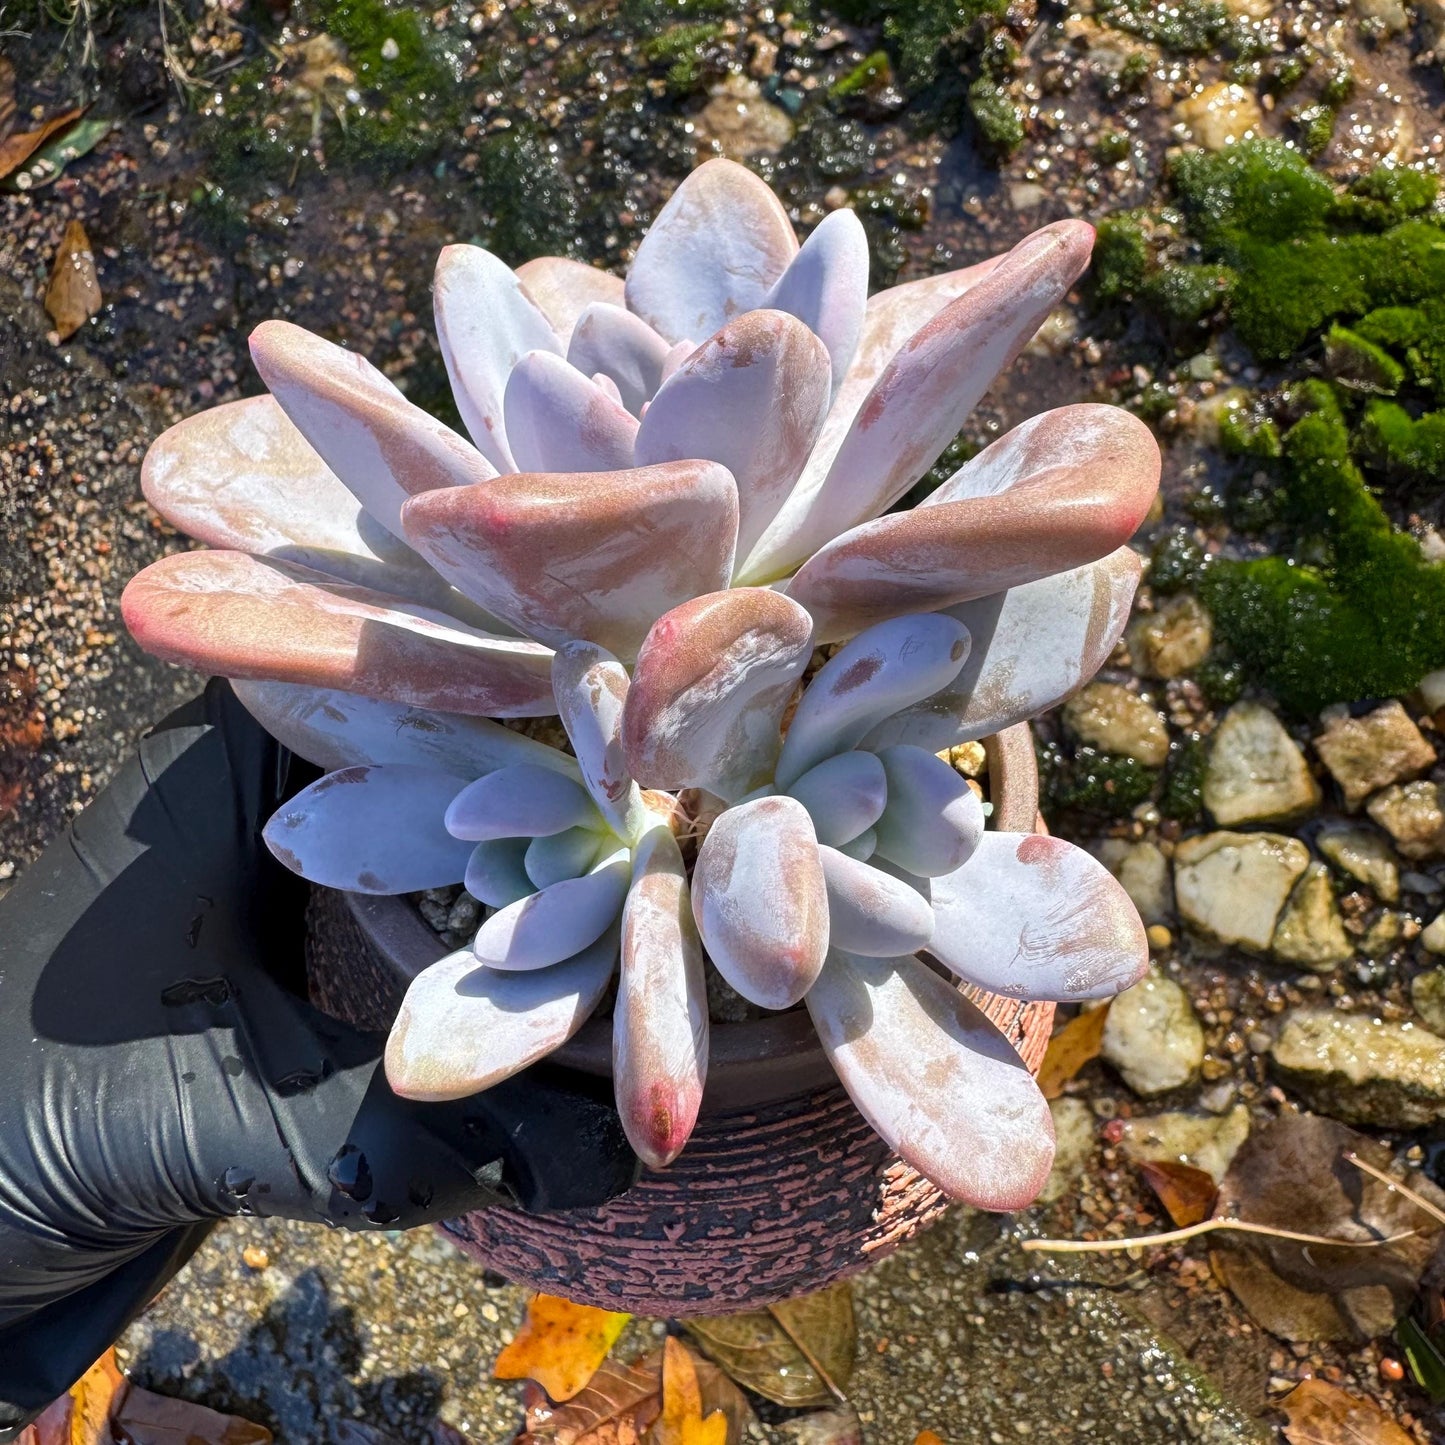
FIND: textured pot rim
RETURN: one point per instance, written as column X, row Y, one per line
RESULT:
column 750, row 1063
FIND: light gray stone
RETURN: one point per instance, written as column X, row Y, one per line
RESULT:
column 1172, row 640
column 1115, row 720
column 1433, row 938
column 1310, row 931
column 1073, row 1143
column 1143, row 872
column 1361, row 1070
column 1412, row 814
column 1366, row 857
column 1207, row 1141
column 1152, row 1036
column 1256, row 773
column 1231, row 887
column 1365, row 754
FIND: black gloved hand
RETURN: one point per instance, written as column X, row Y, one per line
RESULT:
column 160, row 1069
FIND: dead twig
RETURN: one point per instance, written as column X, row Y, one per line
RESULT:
column 1207, row 1226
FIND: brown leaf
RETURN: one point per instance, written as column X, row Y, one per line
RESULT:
column 720, row 1393
column 927, row 1437
column 796, row 1353
column 17, row 147
column 1317, row 1413
column 73, row 295
column 1185, row 1192
column 7, row 99
column 683, row 1421
column 147, row 1419
column 1291, row 1175
column 1070, row 1049
column 617, row 1406
column 560, row 1345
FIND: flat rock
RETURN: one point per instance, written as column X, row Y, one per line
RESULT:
column 1413, row 815
column 1074, row 1135
column 1432, row 685
column 1207, row 1141
column 1366, row 857
column 1172, row 640
column 1365, row 754
column 1433, row 938
column 1143, row 872
column 1220, row 115
column 1359, row 1070
column 1152, row 1036
column 1256, row 772
column 1310, row 931
column 1231, row 887
column 1116, row 720
column 1427, row 993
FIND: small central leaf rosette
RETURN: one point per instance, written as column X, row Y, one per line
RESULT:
column 673, row 488
column 838, row 869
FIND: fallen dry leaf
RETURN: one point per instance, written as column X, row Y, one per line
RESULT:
column 1186, row 1193
column 82, row 1416
column 720, row 1393
column 1317, row 1413
column 927, row 1437
column 17, row 147
column 681, row 1421
column 826, row 1427
column 616, row 1407
column 1070, row 1049
column 797, row 1353
column 147, row 1419
column 560, row 1345
column 7, row 99
column 73, row 295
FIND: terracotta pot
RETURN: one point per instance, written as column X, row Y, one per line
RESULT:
column 783, row 1187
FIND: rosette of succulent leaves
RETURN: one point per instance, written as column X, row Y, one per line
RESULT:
column 677, row 487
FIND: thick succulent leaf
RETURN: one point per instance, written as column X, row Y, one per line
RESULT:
column 826, row 287
column 844, row 796
column 497, row 872
column 521, row 801
column 933, row 820
column 1060, row 491
column 887, row 668
column 676, row 355
column 599, row 556
column 709, row 689
column 1035, row 917
column 1032, row 647
column 660, row 1022
column 871, row 912
column 241, row 476
column 562, row 855
column 564, row 289
column 935, row 1079
column 591, row 687
column 890, row 318
column 371, row 830
column 553, row 924
column 338, row 729
column 753, row 397
column 560, row 421
column 760, row 901
column 715, row 249
column 486, row 323
column 600, row 378
column 237, row 616
column 924, row 394
column 382, row 448
column 623, row 347
column 463, row 1028
column 861, row 848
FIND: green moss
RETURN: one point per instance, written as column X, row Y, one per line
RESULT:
column 1111, row 147
column 1251, row 194
column 1242, row 433
column 1000, row 121
column 1416, row 334
column 680, row 48
column 1221, row 677
column 1184, row 296
column 1405, row 448
column 1183, row 795
column 1088, row 781
column 1360, row 365
column 1389, row 195
column 642, row 16
column 1176, row 562
column 1186, row 27
column 1122, row 257
column 1315, row 126
column 529, row 200
column 1365, row 620
column 924, row 35
column 873, row 70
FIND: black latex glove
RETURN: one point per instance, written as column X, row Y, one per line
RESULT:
column 160, row 1069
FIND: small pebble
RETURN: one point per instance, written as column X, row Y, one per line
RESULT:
column 1392, row 1370
column 1160, row 938
column 254, row 1257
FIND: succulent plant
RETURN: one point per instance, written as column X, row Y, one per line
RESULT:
column 677, row 488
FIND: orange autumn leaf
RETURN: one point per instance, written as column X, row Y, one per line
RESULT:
column 681, row 1421
column 18, row 146
column 560, row 1345
column 927, row 1437
column 1317, row 1413
column 73, row 295
column 1187, row 1193
column 1070, row 1049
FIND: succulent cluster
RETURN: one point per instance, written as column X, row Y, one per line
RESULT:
column 677, row 489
